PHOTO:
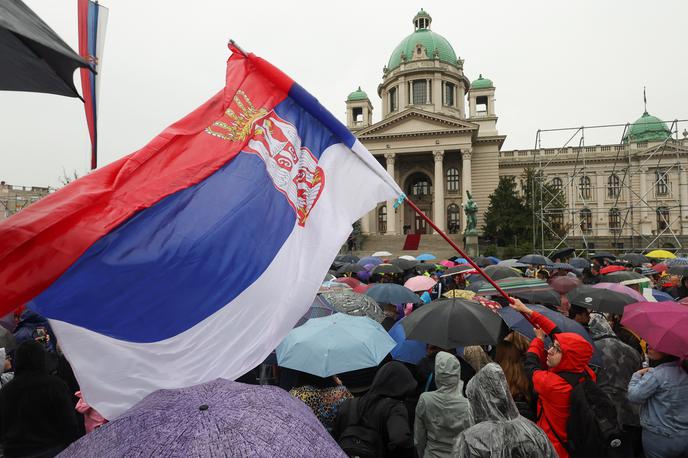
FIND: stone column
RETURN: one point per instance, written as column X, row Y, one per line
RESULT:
column 643, row 211
column 682, row 198
column 365, row 224
column 438, row 198
column 602, row 217
column 466, row 182
column 391, row 214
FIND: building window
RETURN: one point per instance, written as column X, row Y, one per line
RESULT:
column 613, row 186
column 586, row 220
column 557, row 184
column 662, row 182
column 453, row 180
column 418, row 185
column 585, row 187
column 393, row 99
column 557, row 220
column 662, row 218
column 382, row 219
column 614, row 220
column 449, row 94
column 419, row 92
column 357, row 114
column 453, row 219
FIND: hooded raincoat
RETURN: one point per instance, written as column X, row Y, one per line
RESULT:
column 619, row 362
column 441, row 415
column 499, row 432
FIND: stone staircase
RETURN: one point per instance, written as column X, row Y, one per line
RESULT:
column 429, row 243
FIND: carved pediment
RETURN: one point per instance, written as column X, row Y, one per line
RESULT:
column 414, row 122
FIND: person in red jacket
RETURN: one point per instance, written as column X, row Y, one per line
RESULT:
column 569, row 353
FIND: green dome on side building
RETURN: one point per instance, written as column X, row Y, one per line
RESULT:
column 434, row 44
column 358, row 94
column 647, row 128
column 482, row 83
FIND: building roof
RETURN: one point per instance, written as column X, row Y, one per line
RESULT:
column 647, row 128
column 482, row 83
column 358, row 94
column 431, row 41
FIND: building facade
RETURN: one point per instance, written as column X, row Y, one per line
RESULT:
column 438, row 138
column 15, row 198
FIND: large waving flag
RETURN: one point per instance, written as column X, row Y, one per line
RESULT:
column 193, row 257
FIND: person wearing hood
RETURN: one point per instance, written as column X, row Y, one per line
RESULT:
column 499, row 430
column 37, row 417
column 32, row 326
column 619, row 362
column 569, row 353
column 383, row 409
column 441, row 415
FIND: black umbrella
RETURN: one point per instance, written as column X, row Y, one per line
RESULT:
column 457, row 269
column 482, row 261
column 621, row 276
column 542, row 297
column 579, row 263
column 404, row 264
column 346, row 258
column 391, row 293
column 562, row 254
column 603, row 254
column 535, row 260
column 455, row 322
column 425, row 267
column 387, row 269
column 636, row 259
column 600, row 299
column 33, row 57
column 500, row 272
column 679, row 269
column 350, row 268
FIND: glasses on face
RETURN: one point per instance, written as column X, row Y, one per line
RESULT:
column 555, row 348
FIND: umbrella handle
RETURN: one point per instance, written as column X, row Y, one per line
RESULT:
column 459, row 250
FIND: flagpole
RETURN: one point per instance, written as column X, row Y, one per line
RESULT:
column 458, row 250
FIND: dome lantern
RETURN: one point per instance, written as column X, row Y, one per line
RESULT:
column 422, row 20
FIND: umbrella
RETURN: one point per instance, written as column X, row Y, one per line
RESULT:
column 406, row 350
column 603, row 254
column 382, row 254
column 513, row 263
column 354, row 304
column 374, row 260
column 458, row 270
column 609, row 269
column 664, row 325
column 544, row 297
column 329, row 277
column 679, row 269
column 622, row 276
column 482, row 261
column 329, row 286
column 408, row 257
column 450, row 323
column 390, row 293
column 562, row 253
column 563, row 283
column 387, row 269
column 426, row 257
column 350, row 268
column 560, row 266
column 579, row 263
column 661, row 254
column 600, row 300
column 661, row 296
column 623, row 289
column 501, row 272
column 535, row 260
column 677, row 262
column 33, row 57
column 346, row 258
column 458, row 260
column 636, row 259
column 494, row 259
column 420, row 268
column 334, row 344
column 404, row 264
column 509, row 285
column 215, row 419
column 660, row 268
column 447, row 263
column 319, row 308
column 420, row 283
column 351, row 281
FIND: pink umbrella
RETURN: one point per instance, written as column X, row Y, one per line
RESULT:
column 447, row 263
column 563, row 283
column 351, row 281
column 420, row 283
column 623, row 289
column 664, row 325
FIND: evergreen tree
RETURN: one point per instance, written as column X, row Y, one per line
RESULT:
column 506, row 219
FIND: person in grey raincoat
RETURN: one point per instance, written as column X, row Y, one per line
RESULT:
column 441, row 415
column 499, row 432
column 619, row 362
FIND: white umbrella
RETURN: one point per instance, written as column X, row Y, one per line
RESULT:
column 407, row 257
column 380, row 254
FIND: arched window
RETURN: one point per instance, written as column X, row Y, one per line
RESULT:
column 586, row 220
column 393, row 99
column 419, row 185
column 662, row 218
column 585, row 187
column 662, row 182
column 453, row 219
column 382, row 219
column 613, row 186
column 614, row 219
column 556, row 184
column 453, row 180
column 557, row 220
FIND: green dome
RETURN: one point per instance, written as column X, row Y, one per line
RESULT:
column 358, row 94
column 431, row 41
column 482, row 83
column 647, row 129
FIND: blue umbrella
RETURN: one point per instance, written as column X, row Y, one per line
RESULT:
column 535, row 259
column 374, row 260
column 494, row 259
column 426, row 257
column 516, row 321
column 408, row 351
column 391, row 293
column 319, row 308
column 579, row 263
column 335, row 344
column 661, row 296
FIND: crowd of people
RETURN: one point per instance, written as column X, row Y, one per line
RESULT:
column 522, row 397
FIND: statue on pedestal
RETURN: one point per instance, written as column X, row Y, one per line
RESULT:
column 471, row 210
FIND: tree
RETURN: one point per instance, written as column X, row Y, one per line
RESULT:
column 66, row 178
column 506, row 218
column 545, row 205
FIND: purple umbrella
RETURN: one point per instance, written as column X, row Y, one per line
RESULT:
column 623, row 289
column 217, row 418
column 370, row 260
column 664, row 325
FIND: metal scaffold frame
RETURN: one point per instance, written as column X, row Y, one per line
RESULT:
column 612, row 210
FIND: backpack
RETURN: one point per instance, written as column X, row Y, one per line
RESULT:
column 593, row 428
column 358, row 439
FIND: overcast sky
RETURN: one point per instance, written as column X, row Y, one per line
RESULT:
column 554, row 64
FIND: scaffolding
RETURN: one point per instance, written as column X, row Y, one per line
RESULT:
column 601, row 197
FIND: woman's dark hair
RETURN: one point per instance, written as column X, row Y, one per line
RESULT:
column 315, row 381
column 510, row 358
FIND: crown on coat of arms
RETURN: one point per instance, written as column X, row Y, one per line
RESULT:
column 237, row 121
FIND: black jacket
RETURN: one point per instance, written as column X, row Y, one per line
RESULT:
column 36, row 411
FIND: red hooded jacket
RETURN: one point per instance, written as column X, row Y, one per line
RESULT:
column 553, row 391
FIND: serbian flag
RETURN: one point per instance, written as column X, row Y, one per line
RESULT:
column 92, row 24
column 193, row 257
